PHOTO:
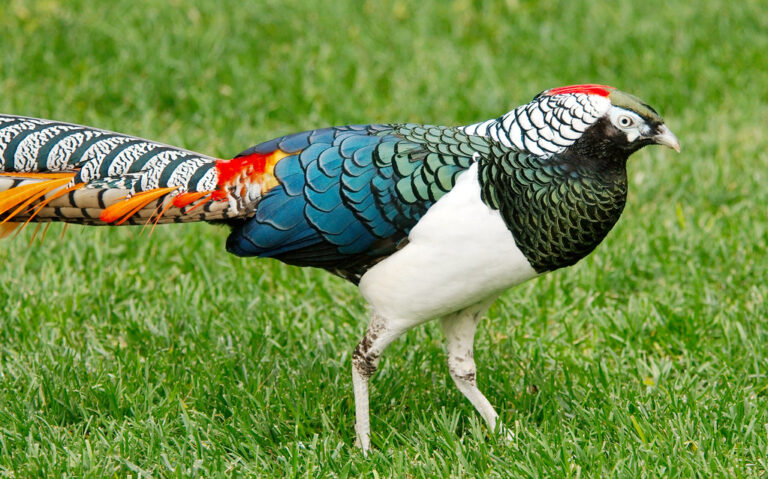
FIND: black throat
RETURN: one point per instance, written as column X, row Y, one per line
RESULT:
column 560, row 208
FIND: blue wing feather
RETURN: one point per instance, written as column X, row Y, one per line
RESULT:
column 290, row 175
column 295, row 143
column 329, row 162
column 348, row 195
column 325, row 135
column 326, row 201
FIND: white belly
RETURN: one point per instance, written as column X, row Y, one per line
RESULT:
column 458, row 254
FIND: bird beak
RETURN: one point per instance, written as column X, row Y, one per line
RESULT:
column 667, row 138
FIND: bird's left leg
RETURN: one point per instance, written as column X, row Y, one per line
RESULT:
column 365, row 360
column 459, row 329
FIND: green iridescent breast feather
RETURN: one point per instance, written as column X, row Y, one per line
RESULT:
column 557, row 212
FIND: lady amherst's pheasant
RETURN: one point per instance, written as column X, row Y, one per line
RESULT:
column 430, row 221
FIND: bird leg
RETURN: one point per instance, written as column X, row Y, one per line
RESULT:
column 365, row 361
column 459, row 329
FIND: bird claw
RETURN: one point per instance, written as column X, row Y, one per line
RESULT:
column 365, row 448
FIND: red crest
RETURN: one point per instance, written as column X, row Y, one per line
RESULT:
column 589, row 89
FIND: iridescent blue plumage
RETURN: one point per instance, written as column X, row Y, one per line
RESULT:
column 347, row 196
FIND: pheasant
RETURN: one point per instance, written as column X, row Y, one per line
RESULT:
column 430, row 222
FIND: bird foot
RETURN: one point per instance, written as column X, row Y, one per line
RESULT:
column 364, row 446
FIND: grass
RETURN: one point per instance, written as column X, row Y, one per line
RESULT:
column 128, row 355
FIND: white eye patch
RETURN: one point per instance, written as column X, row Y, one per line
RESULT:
column 629, row 122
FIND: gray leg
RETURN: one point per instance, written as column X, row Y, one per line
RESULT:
column 365, row 360
column 459, row 329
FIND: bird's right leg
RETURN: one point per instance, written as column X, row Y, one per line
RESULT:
column 459, row 329
column 380, row 334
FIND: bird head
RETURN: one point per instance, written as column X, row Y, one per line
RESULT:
column 626, row 120
column 590, row 119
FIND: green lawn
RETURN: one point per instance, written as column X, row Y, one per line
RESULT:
column 124, row 354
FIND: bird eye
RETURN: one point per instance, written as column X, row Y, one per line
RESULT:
column 625, row 121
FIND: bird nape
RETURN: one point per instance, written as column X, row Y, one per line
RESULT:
column 431, row 222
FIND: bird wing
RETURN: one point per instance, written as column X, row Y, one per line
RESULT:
column 338, row 198
column 347, row 197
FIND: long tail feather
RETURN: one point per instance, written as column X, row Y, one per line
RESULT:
column 53, row 171
column 7, row 229
column 22, row 196
column 120, row 212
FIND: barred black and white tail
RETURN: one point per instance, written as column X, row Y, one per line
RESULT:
column 54, row 171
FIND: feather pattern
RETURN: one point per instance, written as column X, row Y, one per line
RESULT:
column 106, row 169
column 347, row 196
column 431, row 221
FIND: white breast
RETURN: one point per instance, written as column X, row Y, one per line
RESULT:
column 459, row 253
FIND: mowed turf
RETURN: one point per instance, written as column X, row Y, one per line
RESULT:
column 129, row 354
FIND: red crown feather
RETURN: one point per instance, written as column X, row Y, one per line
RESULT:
column 588, row 89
